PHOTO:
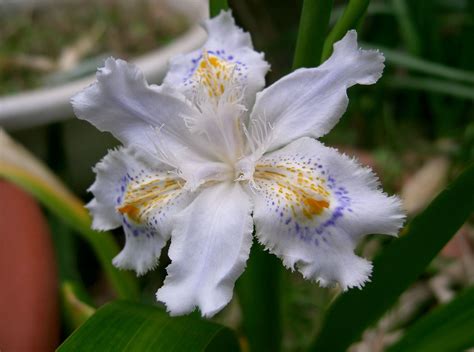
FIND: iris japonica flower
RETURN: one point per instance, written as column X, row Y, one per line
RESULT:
column 208, row 155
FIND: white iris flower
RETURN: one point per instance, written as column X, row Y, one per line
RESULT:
column 208, row 154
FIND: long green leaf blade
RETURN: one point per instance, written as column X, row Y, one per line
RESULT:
column 406, row 27
column 432, row 85
column 448, row 328
column 354, row 11
column 408, row 61
column 126, row 326
column 312, row 32
column 398, row 266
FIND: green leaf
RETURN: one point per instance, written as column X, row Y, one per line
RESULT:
column 431, row 85
column 216, row 6
column 406, row 27
column 398, row 266
column 408, row 61
column 20, row 167
column 126, row 326
column 259, row 296
column 353, row 13
column 312, row 32
column 76, row 310
column 448, row 328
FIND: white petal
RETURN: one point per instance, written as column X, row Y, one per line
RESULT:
column 310, row 101
column 231, row 46
column 209, row 248
column 140, row 196
column 107, row 189
column 313, row 204
column 141, row 252
column 121, row 102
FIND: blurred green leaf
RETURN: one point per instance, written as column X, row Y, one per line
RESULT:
column 398, row 266
column 216, row 6
column 76, row 310
column 374, row 8
column 354, row 11
column 126, row 326
column 431, row 85
column 448, row 328
column 407, row 29
column 20, row 167
column 410, row 62
column 312, row 32
column 259, row 295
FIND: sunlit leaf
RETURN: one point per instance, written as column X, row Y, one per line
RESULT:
column 126, row 326
column 19, row 166
column 77, row 310
column 398, row 266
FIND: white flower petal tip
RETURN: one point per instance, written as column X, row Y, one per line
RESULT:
column 312, row 205
column 310, row 101
column 140, row 254
column 223, row 28
column 142, row 197
column 209, row 249
column 353, row 273
column 226, row 61
column 366, row 65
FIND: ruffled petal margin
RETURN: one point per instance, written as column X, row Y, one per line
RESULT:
column 209, row 248
column 142, row 198
column 313, row 204
column 310, row 101
column 229, row 45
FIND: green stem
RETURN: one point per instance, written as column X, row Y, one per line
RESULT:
column 312, row 32
column 354, row 11
column 259, row 295
column 216, row 6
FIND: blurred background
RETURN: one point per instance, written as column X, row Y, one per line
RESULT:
column 415, row 127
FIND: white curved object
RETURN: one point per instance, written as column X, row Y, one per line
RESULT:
column 45, row 105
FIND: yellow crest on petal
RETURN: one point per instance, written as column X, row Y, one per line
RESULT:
column 214, row 73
